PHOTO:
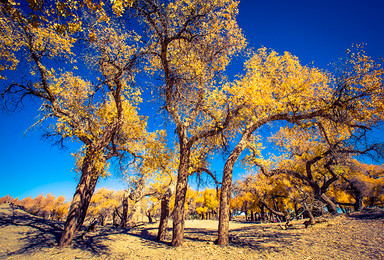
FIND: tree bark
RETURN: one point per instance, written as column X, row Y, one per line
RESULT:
column 331, row 206
column 262, row 213
column 104, row 220
column 131, row 221
column 164, row 216
column 116, row 217
column 84, row 191
column 124, row 217
column 87, row 200
column 297, row 214
column 181, row 191
column 150, row 219
column 358, row 205
column 223, row 237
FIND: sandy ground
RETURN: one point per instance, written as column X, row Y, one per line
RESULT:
column 354, row 236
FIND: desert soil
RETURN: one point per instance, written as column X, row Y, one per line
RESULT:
column 353, row 236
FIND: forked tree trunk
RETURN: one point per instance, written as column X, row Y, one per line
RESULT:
column 164, row 216
column 181, row 191
column 79, row 203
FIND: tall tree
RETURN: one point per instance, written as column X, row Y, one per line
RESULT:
column 100, row 115
column 194, row 42
column 274, row 88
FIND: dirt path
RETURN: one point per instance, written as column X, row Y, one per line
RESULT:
column 356, row 236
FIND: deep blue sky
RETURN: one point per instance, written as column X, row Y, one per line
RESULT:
column 315, row 31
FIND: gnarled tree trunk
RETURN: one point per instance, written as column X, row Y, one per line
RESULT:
column 124, row 217
column 181, row 191
column 87, row 200
column 223, row 237
column 164, row 216
column 331, row 206
column 80, row 203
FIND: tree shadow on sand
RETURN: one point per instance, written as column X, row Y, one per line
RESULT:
column 43, row 234
column 254, row 237
column 368, row 213
column 262, row 238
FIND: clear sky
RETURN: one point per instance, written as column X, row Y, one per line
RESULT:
column 317, row 31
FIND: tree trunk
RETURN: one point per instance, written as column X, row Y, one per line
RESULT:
column 79, row 203
column 116, row 217
column 103, row 220
column 358, row 205
column 181, row 191
column 331, row 206
column 296, row 211
column 86, row 201
column 132, row 217
column 262, row 213
column 358, row 196
column 223, row 237
column 164, row 216
column 124, row 217
column 311, row 220
column 150, row 220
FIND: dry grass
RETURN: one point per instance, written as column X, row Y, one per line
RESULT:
column 354, row 236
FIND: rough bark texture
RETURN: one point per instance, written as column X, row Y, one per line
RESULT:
column 83, row 193
column 358, row 205
column 86, row 201
column 181, row 191
column 356, row 188
column 124, row 217
column 223, row 237
column 311, row 220
column 132, row 216
column 262, row 213
column 164, row 216
column 116, row 217
column 331, row 206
